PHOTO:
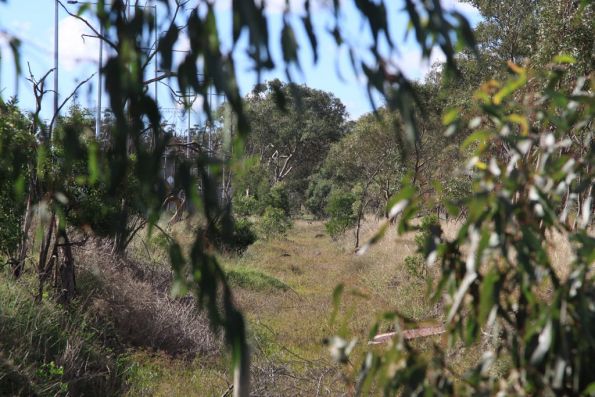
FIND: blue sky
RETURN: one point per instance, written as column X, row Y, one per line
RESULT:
column 33, row 22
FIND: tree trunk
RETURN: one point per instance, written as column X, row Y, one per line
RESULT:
column 363, row 204
column 65, row 270
column 44, row 265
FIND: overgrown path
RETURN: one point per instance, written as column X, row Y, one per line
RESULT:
column 284, row 287
column 311, row 265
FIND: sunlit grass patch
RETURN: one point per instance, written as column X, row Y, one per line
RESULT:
column 254, row 280
column 150, row 374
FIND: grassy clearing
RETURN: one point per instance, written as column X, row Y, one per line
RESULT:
column 288, row 327
column 158, row 374
column 284, row 287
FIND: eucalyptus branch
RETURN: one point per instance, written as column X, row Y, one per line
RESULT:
column 95, row 31
column 164, row 76
column 179, row 5
column 79, row 85
column 38, row 91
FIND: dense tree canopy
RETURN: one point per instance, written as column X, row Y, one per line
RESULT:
column 293, row 127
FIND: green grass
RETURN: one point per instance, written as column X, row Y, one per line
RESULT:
column 254, row 280
column 284, row 289
column 44, row 345
column 154, row 374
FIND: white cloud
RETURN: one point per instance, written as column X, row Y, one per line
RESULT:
column 182, row 44
column 414, row 67
column 4, row 39
column 197, row 103
column 466, row 9
column 74, row 48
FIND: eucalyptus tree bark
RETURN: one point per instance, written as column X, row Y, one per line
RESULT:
column 45, row 265
column 65, row 281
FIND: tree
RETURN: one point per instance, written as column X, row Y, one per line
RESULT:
column 293, row 127
column 508, row 31
column 16, row 155
column 366, row 162
column 495, row 270
column 566, row 28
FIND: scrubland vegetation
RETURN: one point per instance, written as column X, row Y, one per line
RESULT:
column 463, row 203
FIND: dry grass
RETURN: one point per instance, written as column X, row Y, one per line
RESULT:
column 284, row 288
column 135, row 300
column 47, row 349
column 560, row 253
column 160, row 375
column 312, row 265
column 288, row 326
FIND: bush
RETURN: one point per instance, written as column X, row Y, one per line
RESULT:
column 243, row 235
column 317, row 196
column 421, row 238
column 16, row 155
column 274, row 222
column 415, row 265
column 236, row 240
column 340, row 210
column 278, row 197
column 244, row 205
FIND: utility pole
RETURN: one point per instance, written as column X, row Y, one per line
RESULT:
column 55, row 65
column 189, row 110
column 99, row 87
column 100, row 63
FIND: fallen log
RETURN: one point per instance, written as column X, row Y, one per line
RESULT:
column 408, row 334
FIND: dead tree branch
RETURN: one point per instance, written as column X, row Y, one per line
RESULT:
column 79, row 85
column 95, row 31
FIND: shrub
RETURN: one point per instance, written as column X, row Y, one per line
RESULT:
column 16, row 155
column 340, row 210
column 245, row 205
column 274, row 222
column 415, row 265
column 243, row 235
column 317, row 196
column 236, row 240
column 278, row 197
column 421, row 239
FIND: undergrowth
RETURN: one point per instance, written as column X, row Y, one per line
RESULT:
column 48, row 349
